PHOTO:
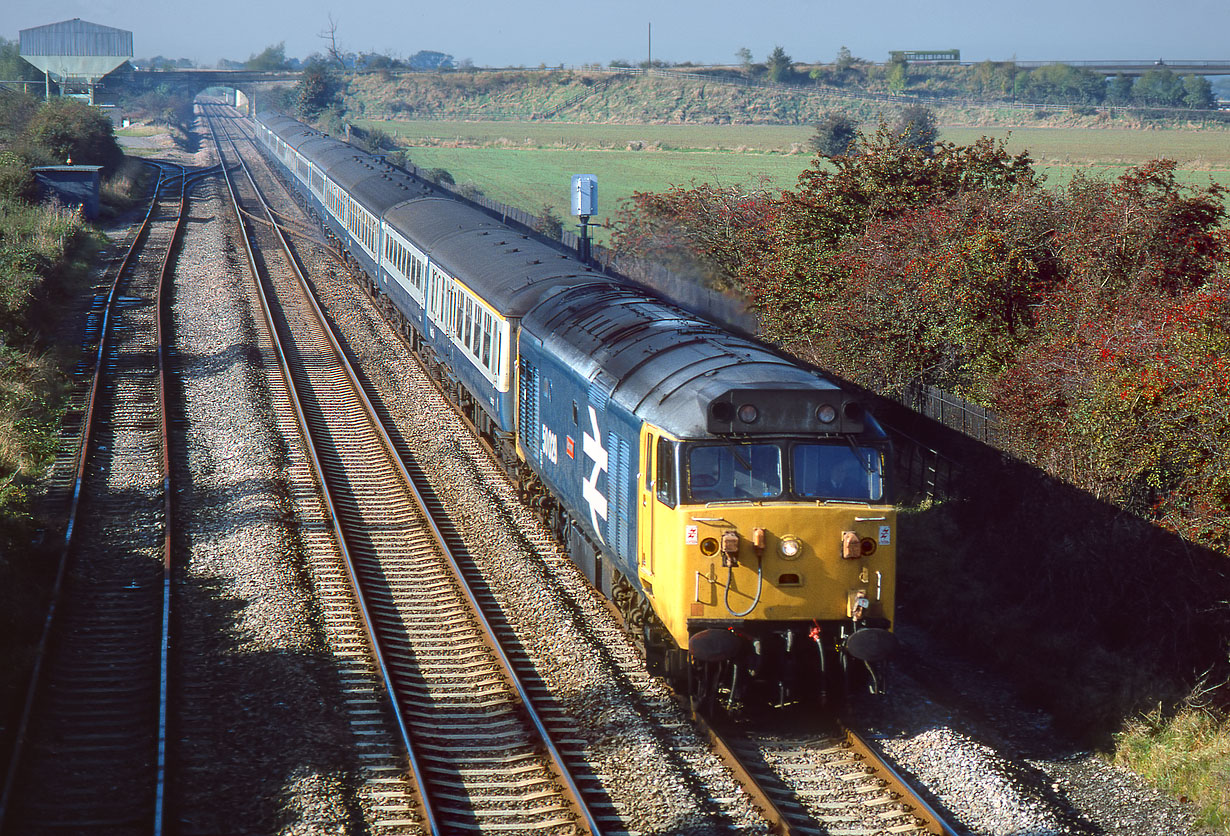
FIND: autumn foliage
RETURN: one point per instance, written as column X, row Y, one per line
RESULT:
column 1094, row 318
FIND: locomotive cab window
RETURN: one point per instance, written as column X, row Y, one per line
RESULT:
column 836, row 471
column 719, row 472
column 666, row 472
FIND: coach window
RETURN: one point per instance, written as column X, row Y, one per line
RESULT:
column 487, row 323
column 648, row 461
column 666, row 472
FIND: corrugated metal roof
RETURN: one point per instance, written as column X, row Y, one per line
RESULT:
column 76, row 37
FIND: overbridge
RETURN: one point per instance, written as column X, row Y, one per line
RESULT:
column 212, row 78
column 1125, row 67
column 248, row 82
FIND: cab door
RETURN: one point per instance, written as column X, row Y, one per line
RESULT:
column 645, row 492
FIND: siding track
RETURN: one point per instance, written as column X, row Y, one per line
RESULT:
column 90, row 748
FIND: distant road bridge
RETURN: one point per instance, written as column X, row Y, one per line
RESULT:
column 211, row 78
column 1138, row 67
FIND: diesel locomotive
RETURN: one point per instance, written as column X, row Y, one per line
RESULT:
column 732, row 503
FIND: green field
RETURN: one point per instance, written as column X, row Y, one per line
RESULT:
column 530, row 178
column 1192, row 149
column 766, row 138
column 1062, row 152
column 528, row 164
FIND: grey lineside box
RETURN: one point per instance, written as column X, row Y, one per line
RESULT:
column 74, row 185
column 584, row 194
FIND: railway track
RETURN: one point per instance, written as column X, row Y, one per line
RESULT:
column 90, row 752
column 484, row 748
column 828, row 783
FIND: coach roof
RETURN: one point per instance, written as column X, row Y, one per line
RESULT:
column 509, row 269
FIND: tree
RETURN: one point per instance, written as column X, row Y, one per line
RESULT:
column 1094, row 319
column 426, row 59
column 835, row 134
column 1119, row 90
column 1064, row 84
column 845, row 59
column 15, row 112
column 377, row 61
column 898, row 75
column 439, row 175
column 1198, row 92
column 704, row 230
column 745, row 58
column 780, row 65
column 333, row 51
column 916, row 127
column 17, row 183
column 13, row 66
column 1160, row 88
column 316, row 90
column 272, row 59
column 548, row 223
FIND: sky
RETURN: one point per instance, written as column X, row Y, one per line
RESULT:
column 532, row 32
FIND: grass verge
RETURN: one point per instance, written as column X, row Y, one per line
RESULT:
column 46, row 254
column 1187, row 754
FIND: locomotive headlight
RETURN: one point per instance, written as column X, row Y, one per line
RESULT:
column 748, row 413
column 789, row 547
column 827, row 413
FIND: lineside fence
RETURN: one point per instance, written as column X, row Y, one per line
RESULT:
column 956, row 413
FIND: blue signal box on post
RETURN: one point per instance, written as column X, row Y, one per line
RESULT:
column 584, row 195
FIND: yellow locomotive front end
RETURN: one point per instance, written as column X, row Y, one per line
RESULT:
column 772, row 554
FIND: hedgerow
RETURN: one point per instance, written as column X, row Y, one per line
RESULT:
column 1094, row 318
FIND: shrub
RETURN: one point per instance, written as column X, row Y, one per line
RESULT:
column 548, row 223
column 17, row 183
column 70, row 129
column 439, row 175
column 835, row 134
